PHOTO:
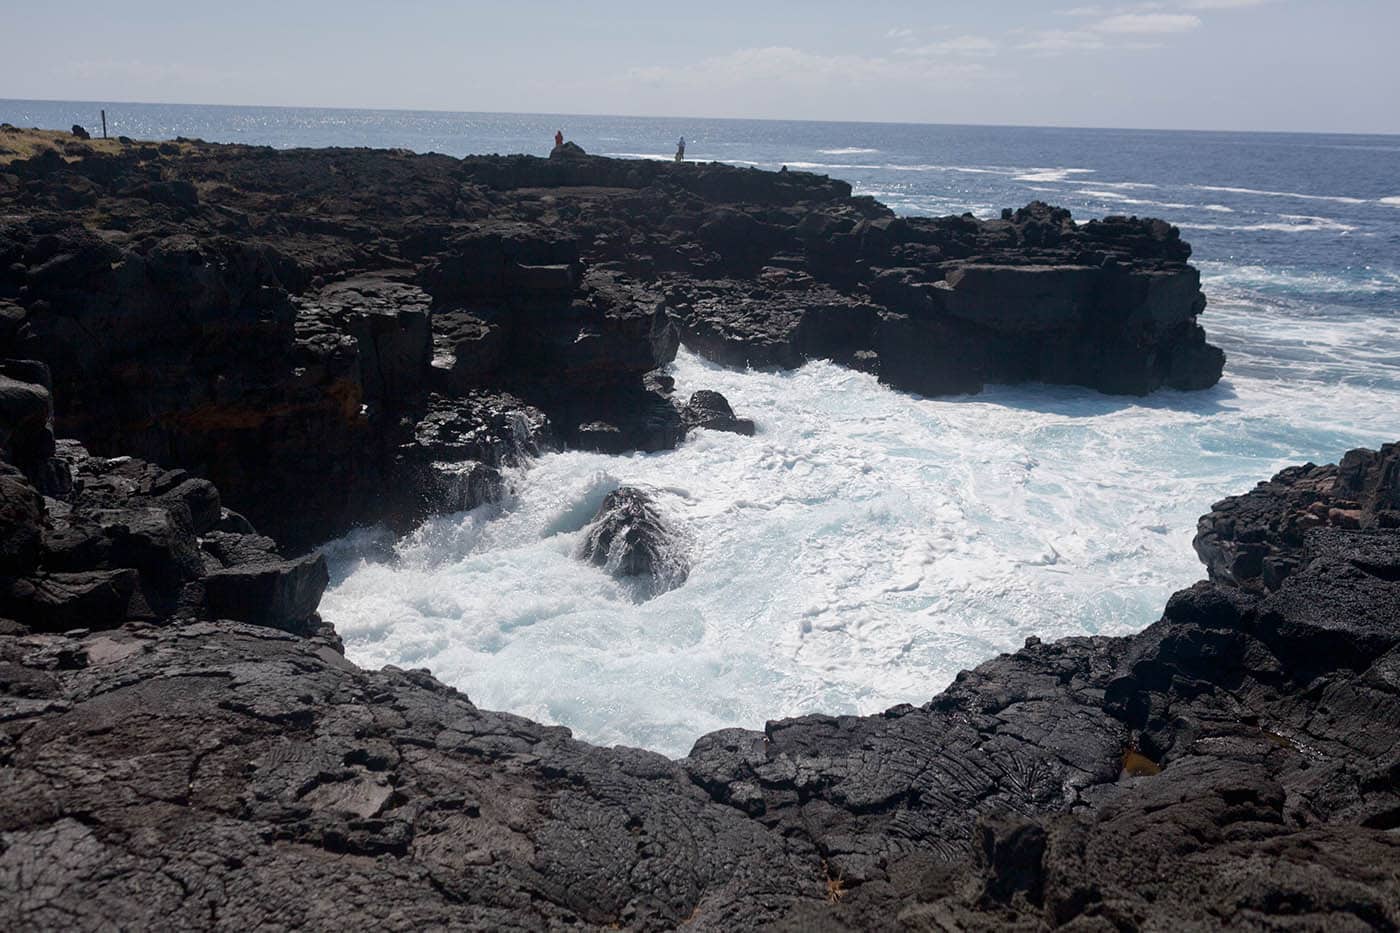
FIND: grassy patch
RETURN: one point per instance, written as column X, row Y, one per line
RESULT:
column 18, row 144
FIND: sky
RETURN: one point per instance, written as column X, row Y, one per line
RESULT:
column 1290, row 65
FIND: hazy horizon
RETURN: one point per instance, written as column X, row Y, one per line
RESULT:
column 689, row 116
column 1203, row 65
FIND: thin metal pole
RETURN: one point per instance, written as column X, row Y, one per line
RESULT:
column 104, row 124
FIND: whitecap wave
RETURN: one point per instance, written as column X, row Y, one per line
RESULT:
column 1289, row 223
column 1293, row 282
column 1338, row 199
column 1125, row 199
column 812, row 166
column 1127, row 185
column 849, row 150
column 1053, row 174
column 963, row 169
column 1392, row 202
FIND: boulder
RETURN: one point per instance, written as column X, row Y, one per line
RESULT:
column 709, row 409
column 567, row 150
column 629, row 538
column 21, row 525
column 277, row 593
column 25, row 409
column 61, row 601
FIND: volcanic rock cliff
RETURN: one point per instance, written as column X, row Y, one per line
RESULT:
column 298, row 326
column 341, row 335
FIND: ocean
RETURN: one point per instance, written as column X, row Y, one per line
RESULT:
column 866, row 545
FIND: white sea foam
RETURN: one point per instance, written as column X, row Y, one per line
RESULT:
column 849, row 150
column 1366, row 281
column 961, row 169
column 856, row 553
column 1053, row 174
column 809, row 166
column 1126, row 185
column 1289, row 223
column 1392, row 202
column 1126, row 199
column 1338, row 199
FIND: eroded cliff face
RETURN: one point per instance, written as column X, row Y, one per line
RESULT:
column 290, row 325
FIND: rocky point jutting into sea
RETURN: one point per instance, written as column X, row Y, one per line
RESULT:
column 203, row 340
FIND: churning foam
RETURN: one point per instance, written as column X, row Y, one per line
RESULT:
column 861, row 549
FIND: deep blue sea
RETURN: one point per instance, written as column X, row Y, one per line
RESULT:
column 866, row 545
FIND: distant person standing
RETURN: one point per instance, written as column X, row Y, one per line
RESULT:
column 680, row 150
column 558, row 138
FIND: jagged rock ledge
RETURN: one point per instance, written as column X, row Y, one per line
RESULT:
column 297, row 326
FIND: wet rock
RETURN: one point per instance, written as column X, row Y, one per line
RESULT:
column 629, row 538
column 708, row 409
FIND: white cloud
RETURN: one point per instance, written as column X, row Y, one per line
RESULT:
column 960, row 45
column 1223, row 4
column 900, row 33
column 1122, row 30
column 1101, row 11
column 1137, row 24
column 1064, row 40
column 790, row 67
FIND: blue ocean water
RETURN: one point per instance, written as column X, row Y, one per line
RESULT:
column 866, row 544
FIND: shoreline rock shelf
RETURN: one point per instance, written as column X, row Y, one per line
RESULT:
column 343, row 335
column 282, row 322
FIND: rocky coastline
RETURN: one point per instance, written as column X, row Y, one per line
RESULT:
column 199, row 343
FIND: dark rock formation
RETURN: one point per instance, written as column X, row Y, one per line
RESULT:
column 281, row 322
column 1256, row 540
column 708, row 409
column 94, row 543
column 630, row 540
column 567, row 150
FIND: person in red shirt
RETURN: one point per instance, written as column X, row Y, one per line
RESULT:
column 558, row 138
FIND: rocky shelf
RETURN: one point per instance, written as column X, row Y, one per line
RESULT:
column 299, row 326
column 301, row 340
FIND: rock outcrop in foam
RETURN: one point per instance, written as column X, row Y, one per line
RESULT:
column 630, row 540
